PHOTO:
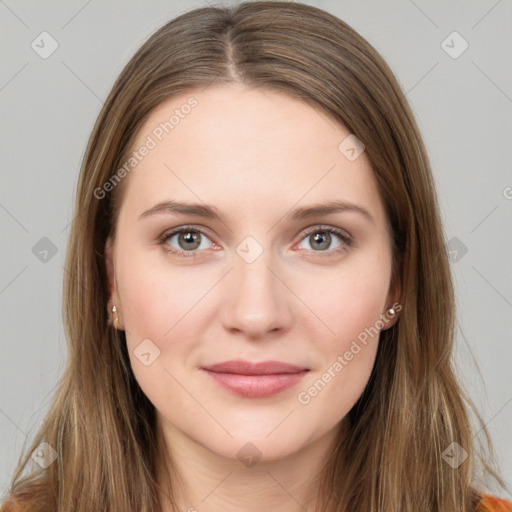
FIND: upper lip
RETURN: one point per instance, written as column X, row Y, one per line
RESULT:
column 247, row 368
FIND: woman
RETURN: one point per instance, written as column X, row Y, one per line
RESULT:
column 258, row 302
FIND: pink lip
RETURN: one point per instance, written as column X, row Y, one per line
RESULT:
column 256, row 380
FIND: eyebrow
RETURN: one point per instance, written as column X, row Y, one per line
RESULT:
column 211, row 212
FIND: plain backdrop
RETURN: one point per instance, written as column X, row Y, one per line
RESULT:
column 462, row 99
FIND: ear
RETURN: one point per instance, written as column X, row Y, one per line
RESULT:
column 394, row 300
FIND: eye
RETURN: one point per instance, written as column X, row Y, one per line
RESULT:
column 187, row 240
column 320, row 239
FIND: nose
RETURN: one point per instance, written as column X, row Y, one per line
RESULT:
column 257, row 298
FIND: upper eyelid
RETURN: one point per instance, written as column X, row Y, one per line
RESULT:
column 325, row 227
column 180, row 229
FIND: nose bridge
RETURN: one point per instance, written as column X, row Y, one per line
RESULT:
column 257, row 299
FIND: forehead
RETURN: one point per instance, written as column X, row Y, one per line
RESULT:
column 236, row 145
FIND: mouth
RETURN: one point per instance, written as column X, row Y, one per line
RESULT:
column 255, row 380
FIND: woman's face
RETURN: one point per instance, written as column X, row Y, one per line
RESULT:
column 254, row 275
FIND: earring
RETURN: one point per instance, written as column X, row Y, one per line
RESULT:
column 114, row 311
column 390, row 312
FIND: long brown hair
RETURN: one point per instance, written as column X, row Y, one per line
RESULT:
column 101, row 424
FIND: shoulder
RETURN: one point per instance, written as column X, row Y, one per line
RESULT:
column 489, row 503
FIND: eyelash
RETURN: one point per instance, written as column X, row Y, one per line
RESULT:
column 345, row 237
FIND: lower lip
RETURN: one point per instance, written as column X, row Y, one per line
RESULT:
column 257, row 386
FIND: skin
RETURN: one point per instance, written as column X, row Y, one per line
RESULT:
column 255, row 155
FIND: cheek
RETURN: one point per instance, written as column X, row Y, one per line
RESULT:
column 348, row 358
column 156, row 298
column 350, row 305
column 348, row 301
column 159, row 305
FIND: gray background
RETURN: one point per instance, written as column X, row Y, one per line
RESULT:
column 48, row 107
